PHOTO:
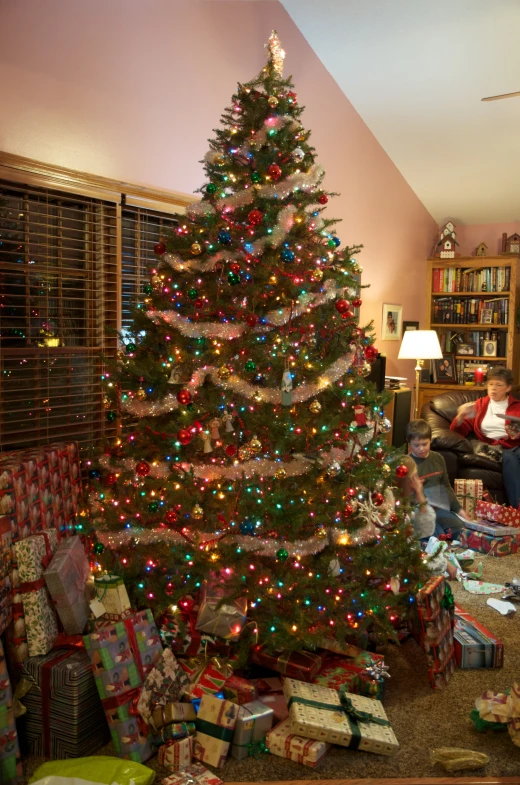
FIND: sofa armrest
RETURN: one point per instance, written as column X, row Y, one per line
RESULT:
column 479, row 462
column 445, row 440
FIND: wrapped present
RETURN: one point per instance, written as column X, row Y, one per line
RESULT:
column 123, row 653
column 6, row 568
column 493, row 545
column 171, row 712
column 302, row 665
column 268, row 686
column 219, row 615
column 182, row 637
column 238, row 690
column 206, row 678
column 440, row 678
column 469, row 492
column 10, row 763
column 165, row 683
column 111, row 592
column 341, row 672
column 64, row 718
column 431, row 624
column 195, row 774
column 508, row 516
column 174, row 731
column 498, row 711
column 493, row 646
column 215, row 723
column 130, row 734
column 339, row 717
column 491, row 527
column 278, row 704
column 66, row 577
column 176, row 755
column 430, row 597
column 33, row 555
column 438, row 654
column 283, row 742
column 254, row 721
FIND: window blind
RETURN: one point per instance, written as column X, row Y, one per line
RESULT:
column 59, row 310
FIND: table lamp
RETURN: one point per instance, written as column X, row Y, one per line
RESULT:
column 419, row 345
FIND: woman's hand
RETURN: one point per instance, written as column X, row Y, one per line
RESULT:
column 467, row 410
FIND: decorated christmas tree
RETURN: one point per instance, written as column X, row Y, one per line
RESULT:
column 253, row 455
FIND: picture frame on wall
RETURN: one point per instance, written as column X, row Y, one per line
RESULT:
column 445, row 370
column 410, row 326
column 392, row 322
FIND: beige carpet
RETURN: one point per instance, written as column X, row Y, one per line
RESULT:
column 422, row 719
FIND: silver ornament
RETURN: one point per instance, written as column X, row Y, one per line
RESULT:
column 298, row 154
column 384, row 425
column 334, row 469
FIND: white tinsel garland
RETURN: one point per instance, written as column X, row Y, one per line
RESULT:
column 299, row 181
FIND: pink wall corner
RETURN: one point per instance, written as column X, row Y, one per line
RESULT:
column 132, row 90
column 472, row 235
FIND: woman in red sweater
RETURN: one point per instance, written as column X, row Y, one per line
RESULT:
column 483, row 418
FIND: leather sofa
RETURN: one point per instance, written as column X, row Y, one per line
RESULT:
column 461, row 460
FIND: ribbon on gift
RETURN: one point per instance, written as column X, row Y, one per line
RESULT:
column 500, row 708
column 354, row 716
column 255, row 748
column 216, row 731
column 131, row 698
column 30, row 586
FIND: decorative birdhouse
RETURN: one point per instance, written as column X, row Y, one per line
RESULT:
column 511, row 244
column 481, row 250
column 446, row 245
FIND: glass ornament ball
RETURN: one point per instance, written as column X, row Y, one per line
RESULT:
column 357, row 303
column 333, row 469
column 111, row 478
column 184, row 397
column 130, row 348
column 224, row 237
column 274, row 172
column 272, row 101
column 315, row 407
column 401, row 470
column 331, row 243
column 317, row 274
column 196, row 249
column 99, row 548
column 233, row 279
column 323, row 198
column 256, row 177
column 336, row 241
column 291, row 97
column 148, row 289
column 142, row 468
column 364, row 370
column 171, row 517
column 231, row 450
column 386, row 469
column 255, row 217
column 384, row 425
column 219, row 159
column 211, row 188
column 192, row 294
column 348, row 510
column 244, row 453
column 251, row 319
column 94, row 474
column 159, row 249
column 371, row 353
column 250, row 366
column 234, row 267
column 111, row 416
column 247, row 527
column 394, row 518
column 298, row 154
column 198, row 303
column 350, row 492
column 197, row 512
column 282, row 554
column 140, row 394
column 255, row 445
column 153, row 506
column 224, row 372
column 281, row 473
column 287, row 255
column 377, row 498
column 106, row 402
column 184, row 436
column 342, row 306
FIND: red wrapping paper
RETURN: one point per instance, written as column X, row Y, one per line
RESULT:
column 507, row 516
column 302, row 665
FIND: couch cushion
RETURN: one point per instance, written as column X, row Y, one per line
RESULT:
column 446, row 405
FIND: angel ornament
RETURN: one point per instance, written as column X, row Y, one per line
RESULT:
column 206, row 438
column 214, row 425
column 227, row 421
column 175, row 376
column 287, row 387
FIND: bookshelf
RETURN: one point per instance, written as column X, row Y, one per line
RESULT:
column 472, row 302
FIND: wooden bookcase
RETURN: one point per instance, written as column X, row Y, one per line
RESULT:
column 468, row 284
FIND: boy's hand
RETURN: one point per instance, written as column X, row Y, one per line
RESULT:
column 417, row 488
column 467, row 410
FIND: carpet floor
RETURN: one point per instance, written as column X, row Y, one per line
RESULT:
column 421, row 718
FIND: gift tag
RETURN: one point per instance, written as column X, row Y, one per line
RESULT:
column 97, row 608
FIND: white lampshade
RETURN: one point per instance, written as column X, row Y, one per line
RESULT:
column 420, row 345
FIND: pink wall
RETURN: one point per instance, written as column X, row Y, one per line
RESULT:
column 131, row 90
column 491, row 234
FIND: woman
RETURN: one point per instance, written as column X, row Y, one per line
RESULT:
column 481, row 417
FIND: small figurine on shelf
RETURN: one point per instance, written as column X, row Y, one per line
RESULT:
column 511, row 244
column 481, row 250
column 445, row 247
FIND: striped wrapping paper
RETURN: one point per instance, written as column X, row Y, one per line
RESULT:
column 282, row 742
column 176, row 755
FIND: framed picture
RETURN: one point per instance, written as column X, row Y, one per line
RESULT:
column 392, row 321
column 489, row 349
column 445, row 370
column 410, row 326
column 486, row 316
column 466, row 348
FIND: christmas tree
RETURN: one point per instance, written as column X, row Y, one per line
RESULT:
column 256, row 460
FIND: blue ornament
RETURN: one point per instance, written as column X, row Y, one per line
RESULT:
column 94, row 474
column 247, row 527
column 337, row 241
column 287, row 255
column 224, row 237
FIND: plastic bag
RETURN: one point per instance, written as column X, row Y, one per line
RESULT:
column 97, row 770
column 456, row 759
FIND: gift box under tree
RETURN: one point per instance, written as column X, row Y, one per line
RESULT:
column 302, row 665
column 10, row 762
column 6, row 570
column 205, row 678
column 66, row 577
column 492, row 545
column 111, row 592
column 196, row 774
column 507, row 516
column 254, row 721
column 164, row 686
column 431, row 624
column 219, row 615
column 176, row 755
column 469, row 492
column 283, row 742
column 352, row 674
column 216, row 720
column 130, row 735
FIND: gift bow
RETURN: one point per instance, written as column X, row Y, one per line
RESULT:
column 502, row 708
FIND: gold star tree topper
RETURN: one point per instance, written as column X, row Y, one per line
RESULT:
column 276, row 53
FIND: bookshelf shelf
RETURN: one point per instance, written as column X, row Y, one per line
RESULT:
column 477, row 312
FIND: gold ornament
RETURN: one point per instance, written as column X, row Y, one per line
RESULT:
column 317, row 274
column 244, row 453
column 386, row 469
column 219, row 160
column 315, row 407
column 106, row 402
column 364, row 370
column 280, row 473
column 321, row 531
column 156, row 281
column 257, row 397
column 224, row 373
column 272, row 101
column 140, row 394
column 196, row 249
column 300, row 217
column 255, row 444
column 197, row 512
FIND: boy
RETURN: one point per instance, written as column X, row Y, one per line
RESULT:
column 431, row 468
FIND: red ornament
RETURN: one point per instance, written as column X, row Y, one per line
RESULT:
column 184, row 397
column 342, row 306
column 379, row 453
column 255, row 217
column 351, row 492
column 252, row 319
column 184, row 436
column 348, row 314
column 159, row 249
column 142, row 468
column 291, row 96
column 348, row 510
column 401, row 470
column 198, row 304
column 377, row 498
column 394, row 518
column 171, row 517
column 357, row 303
column 231, row 450
column 274, row 172
column 235, row 268
column 323, row 199
column 111, row 478
column 371, row 353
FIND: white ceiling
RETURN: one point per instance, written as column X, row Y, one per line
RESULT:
column 415, row 70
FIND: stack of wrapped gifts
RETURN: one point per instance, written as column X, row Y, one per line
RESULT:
column 495, row 532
